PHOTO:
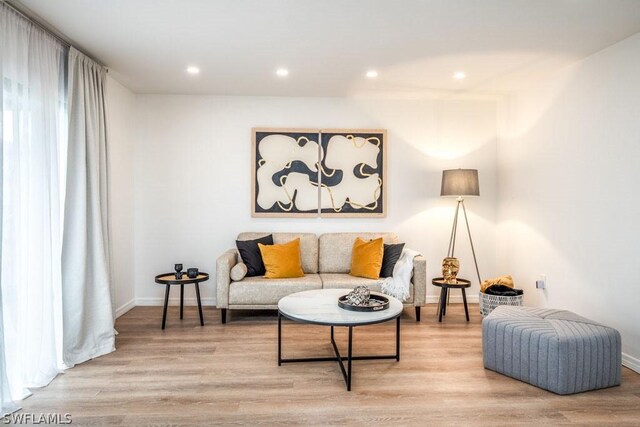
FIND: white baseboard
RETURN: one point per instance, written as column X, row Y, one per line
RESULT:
column 174, row 301
column 456, row 299
column 125, row 307
column 631, row 362
column 159, row 301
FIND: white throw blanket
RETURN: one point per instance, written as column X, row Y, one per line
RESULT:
column 398, row 285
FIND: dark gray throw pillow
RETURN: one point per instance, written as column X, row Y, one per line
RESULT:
column 390, row 258
column 251, row 256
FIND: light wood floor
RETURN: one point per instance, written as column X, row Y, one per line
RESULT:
column 228, row 374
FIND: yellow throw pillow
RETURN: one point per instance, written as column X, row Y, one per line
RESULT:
column 282, row 261
column 366, row 258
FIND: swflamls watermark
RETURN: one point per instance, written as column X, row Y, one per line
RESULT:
column 29, row 418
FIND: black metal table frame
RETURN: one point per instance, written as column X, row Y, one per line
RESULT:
column 346, row 372
column 169, row 283
column 444, row 296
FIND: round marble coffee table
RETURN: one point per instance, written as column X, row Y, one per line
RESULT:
column 320, row 307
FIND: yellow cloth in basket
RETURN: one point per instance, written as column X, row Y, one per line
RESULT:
column 502, row 280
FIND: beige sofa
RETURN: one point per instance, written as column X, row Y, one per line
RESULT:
column 326, row 261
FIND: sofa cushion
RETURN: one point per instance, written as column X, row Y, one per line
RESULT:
column 308, row 246
column 390, row 258
column 238, row 271
column 250, row 254
column 282, row 261
column 261, row 291
column 366, row 258
column 346, row 281
column 335, row 249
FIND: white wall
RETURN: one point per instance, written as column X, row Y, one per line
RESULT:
column 121, row 141
column 569, row 170
column 566, row 157
column 192, row 177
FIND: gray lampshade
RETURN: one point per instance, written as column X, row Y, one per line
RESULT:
column 460, row 182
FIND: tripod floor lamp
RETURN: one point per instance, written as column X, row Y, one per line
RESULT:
column 459, row 183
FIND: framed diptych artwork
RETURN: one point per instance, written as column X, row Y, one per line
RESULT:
column 311, row 172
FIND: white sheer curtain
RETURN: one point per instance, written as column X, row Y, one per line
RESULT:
column 7, row 405
column 33, row 150
column 86, row 302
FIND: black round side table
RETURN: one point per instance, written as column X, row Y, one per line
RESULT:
column 461, row 284
column 169, row 279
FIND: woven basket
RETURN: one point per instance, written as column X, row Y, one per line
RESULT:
column 489, row 302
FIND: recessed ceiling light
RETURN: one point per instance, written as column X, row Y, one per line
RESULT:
column 282, row 72
column 372, row 74
column 192, row 69
column 459, row 75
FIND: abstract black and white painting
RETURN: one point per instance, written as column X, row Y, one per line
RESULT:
column 352, row 172
column 311, row 172
column 285, row 172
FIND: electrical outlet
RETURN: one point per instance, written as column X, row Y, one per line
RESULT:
column 541, row 283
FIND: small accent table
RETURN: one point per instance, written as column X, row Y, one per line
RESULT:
column 169, row 279
column 461, row 284
column 320, row 307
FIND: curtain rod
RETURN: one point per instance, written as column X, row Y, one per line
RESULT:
column 39, row 22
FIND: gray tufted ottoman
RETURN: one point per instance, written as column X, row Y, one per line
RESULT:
column 556, row 350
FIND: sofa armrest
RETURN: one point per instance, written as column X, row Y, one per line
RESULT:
column 419, row 281
column 224, row 264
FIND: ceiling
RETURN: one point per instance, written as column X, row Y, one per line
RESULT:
column 329, row 45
